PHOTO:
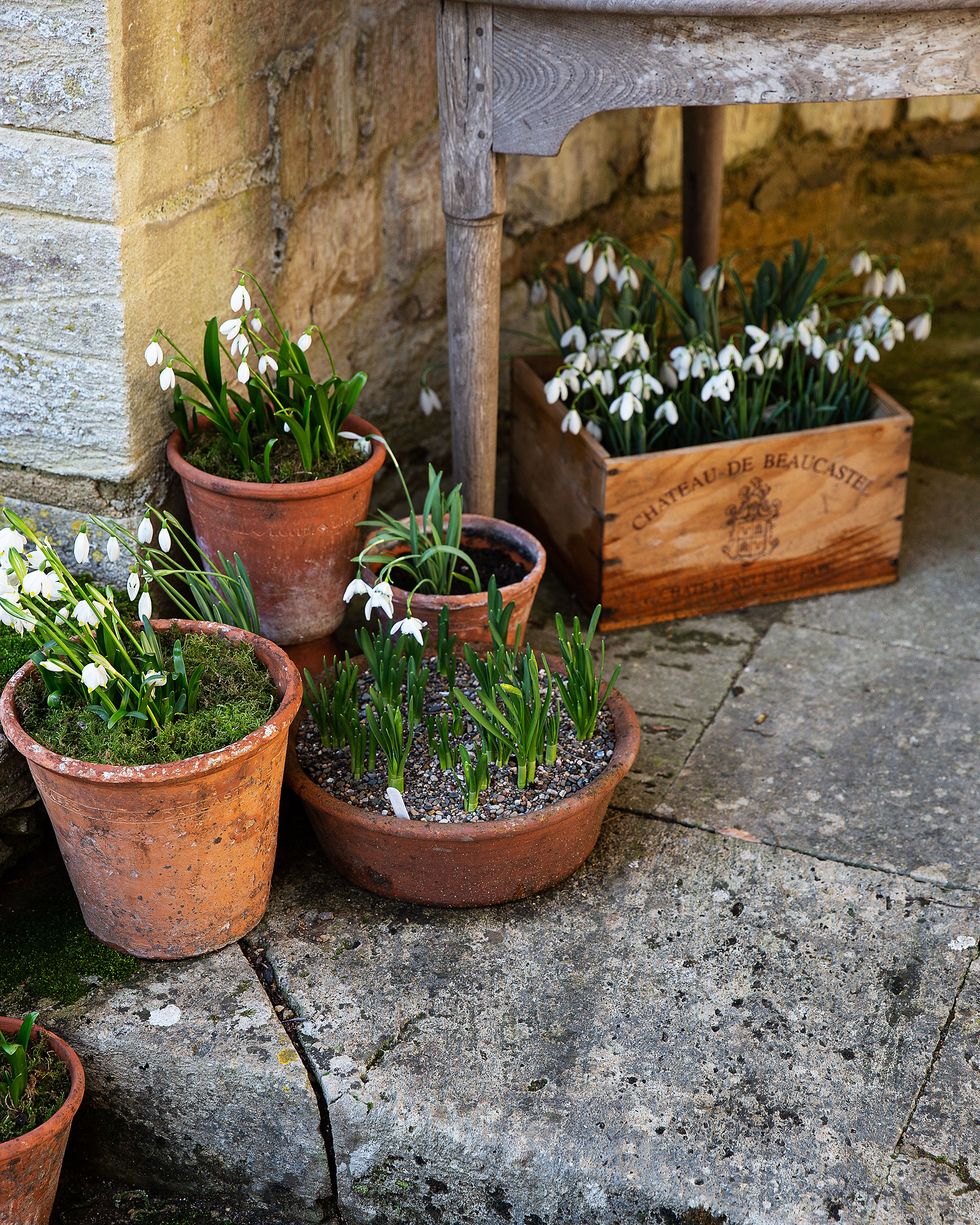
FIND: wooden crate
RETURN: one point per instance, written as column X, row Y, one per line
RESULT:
column 704, row 529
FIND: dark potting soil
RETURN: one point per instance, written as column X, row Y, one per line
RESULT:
column 48, row 1082
column 210, row 452
column 490, row 562
column 432, row 794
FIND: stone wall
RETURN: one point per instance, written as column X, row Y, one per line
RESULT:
column 148, row 150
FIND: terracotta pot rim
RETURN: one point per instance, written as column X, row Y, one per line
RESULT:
column 518, row 538
column 69, row 1107
column 163, row 773
column 286, row 491
column 626, row 729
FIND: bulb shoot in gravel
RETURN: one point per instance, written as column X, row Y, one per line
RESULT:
column 462, row 737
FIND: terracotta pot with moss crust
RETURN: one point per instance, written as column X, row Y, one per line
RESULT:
column 30, row 1165
column 296, row 539
column 170, row 860
column 468, row 863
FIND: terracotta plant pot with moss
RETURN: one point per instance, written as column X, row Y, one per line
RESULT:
column 30, row 1164
column 296, row 539
column 170, row 860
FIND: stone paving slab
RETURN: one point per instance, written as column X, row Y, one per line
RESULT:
column 690, row 1024
column 849, row 749
column 935, row 605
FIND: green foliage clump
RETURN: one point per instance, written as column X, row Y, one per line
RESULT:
column 36, row 1087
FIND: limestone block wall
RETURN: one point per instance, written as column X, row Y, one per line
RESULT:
column 147, row 150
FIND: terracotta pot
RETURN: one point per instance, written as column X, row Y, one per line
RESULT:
column 30, row 1165
column 467, row 864
column 170, row 860
column 296, row 540
column 468, row 613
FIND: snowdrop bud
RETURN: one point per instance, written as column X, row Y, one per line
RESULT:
column 585, row 261
column 668, row 376
column 81, row 548
column 304, row 342
column 144, row 533
column 243, row 373
column 921, row 326
column 539, row 293
column 153, row 354
column 894, row 283
column 163, row 540
column 168, row 380
column 832, row 360
column 240, row 299
column 429, row 401
column 145, row 606
column 256, row 323
column 571, row 422
column 112, row 549
column 133, row 585
column 860, row 263
column 601, row 270
column 710, row 275
column 154, row 680
column 874, row 286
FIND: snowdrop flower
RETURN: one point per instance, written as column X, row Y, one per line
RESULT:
column 668, row 376
column 356, row 586
column 571, row 423
column 866, row 351
column 33, row 581
column 304, row 342
column 880, row 318
column 362, row 445
column 666, row 412
column 874, row 285
column 720, row 385
column 773, row 359
column 601, row 270
column 641, row 383
column 781, row 335
column 145, row 606
column 81, row 549
column 595, row 429
column 410, row 627
column 285, row 427
column 46, row 584
column 154, row 680
column 803, row 333
column 920, row 327
column 164, row 540
column 256, row 322
column 681, row 359
column 753, row 364
column 710, row 275
column 625, row 406
column 429, row 401
column 703, row 363
column 729, row 356
column 577, row 252
column 832, row 360
column 539, row 293
column 50, row 665
column 627, row 276
column 230, row 328
column 604, row 380
column 112, row 549
column 555, row 390
column 397, row 802
column 240, row 299
column 94, row 676
column 818, row 347
column 586, row 258
column 11, row 542
column 144, row 533
column 268, row 362
column 813, row 316
column 860, row 263
column 757, row 336
column 894, row 283
column 153, row 354
column 133, row 585
column 581, row 363
column 574, row 337
column 168, row 380
column 243, row 373
column 622, row 346
column 240, row 345
column 379, row 597
column 84, row 613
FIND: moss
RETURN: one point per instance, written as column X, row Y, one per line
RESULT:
column 211, row 453
column 236, row 698
column 48, row 1082
column 14, row 651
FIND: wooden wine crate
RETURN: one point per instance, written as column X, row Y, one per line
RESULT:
column 704, row 529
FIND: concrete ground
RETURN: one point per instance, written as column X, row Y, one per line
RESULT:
column 758, row 1003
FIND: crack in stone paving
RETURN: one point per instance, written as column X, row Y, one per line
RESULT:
column 958, row 1166
column 390, row 1041
column 255, row 956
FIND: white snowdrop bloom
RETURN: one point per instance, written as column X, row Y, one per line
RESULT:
column 133, row 585
column 240, row 345
column 304, row 342
column 832, row 360
column 153, row 354
column 861, row 263
column 627, row 276
column 112, row 549
column 803, row 333
column 920, row 328
column 720, row 386
column 625, row 406
column 818, row 347
column 894, row 283
column 571, row 423
column 82, row 548
column 623, row 345
column 874, row 285
column 759, row 338
column 380, row 597
column 285, row 427
column 641, row 383
column 145, row 606
column 243, row 374
column 555, row 390
column 601, row 269
column 168, row 380
column 581, row 363
column 570, row 378
column 230, row 328
column 681, row 359
column 595, row 429
column 666, row 412
column 11, row 542
column 429, row 401
column 84, row 613
column 94, row 676
column 773, row 359
column 668, row 376
column 411, row 627
column 154, row 680
column 753, row 364
column 33, row 581
column 586, row 258
column 612, row 267
column 164, row 540
column 813, row 316
column 356, row 586
column 144, row 533
column 538, row 294
column 866, row 351
column 573, row 338
column 576, row 253
column 239, row 299
column 50, row 665
column 256, row 323
column 880, row 318
column 729, row 356
column 781, row 334
column 43, row 583
column 268, row 362
column 711, row 275
column 642, row 348
column 703, row 363
column 361, row 444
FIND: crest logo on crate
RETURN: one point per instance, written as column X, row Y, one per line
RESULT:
column 750, row 523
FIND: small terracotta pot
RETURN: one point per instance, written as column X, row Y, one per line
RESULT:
column 30, row 1165
column 463, row 863
column 468, row 613
column 170, row 860
column 296, row 540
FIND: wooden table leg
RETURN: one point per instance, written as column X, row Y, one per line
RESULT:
column 702, row 175
column 473, row 201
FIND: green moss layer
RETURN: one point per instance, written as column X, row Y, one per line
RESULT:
column 211, row 453
column 236, row 698
column 48, row 1082
column 14, row 651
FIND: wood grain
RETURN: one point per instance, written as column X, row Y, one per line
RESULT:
column 553, row 68
column 702, row 182
column 704, row 529
column 739, row 8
